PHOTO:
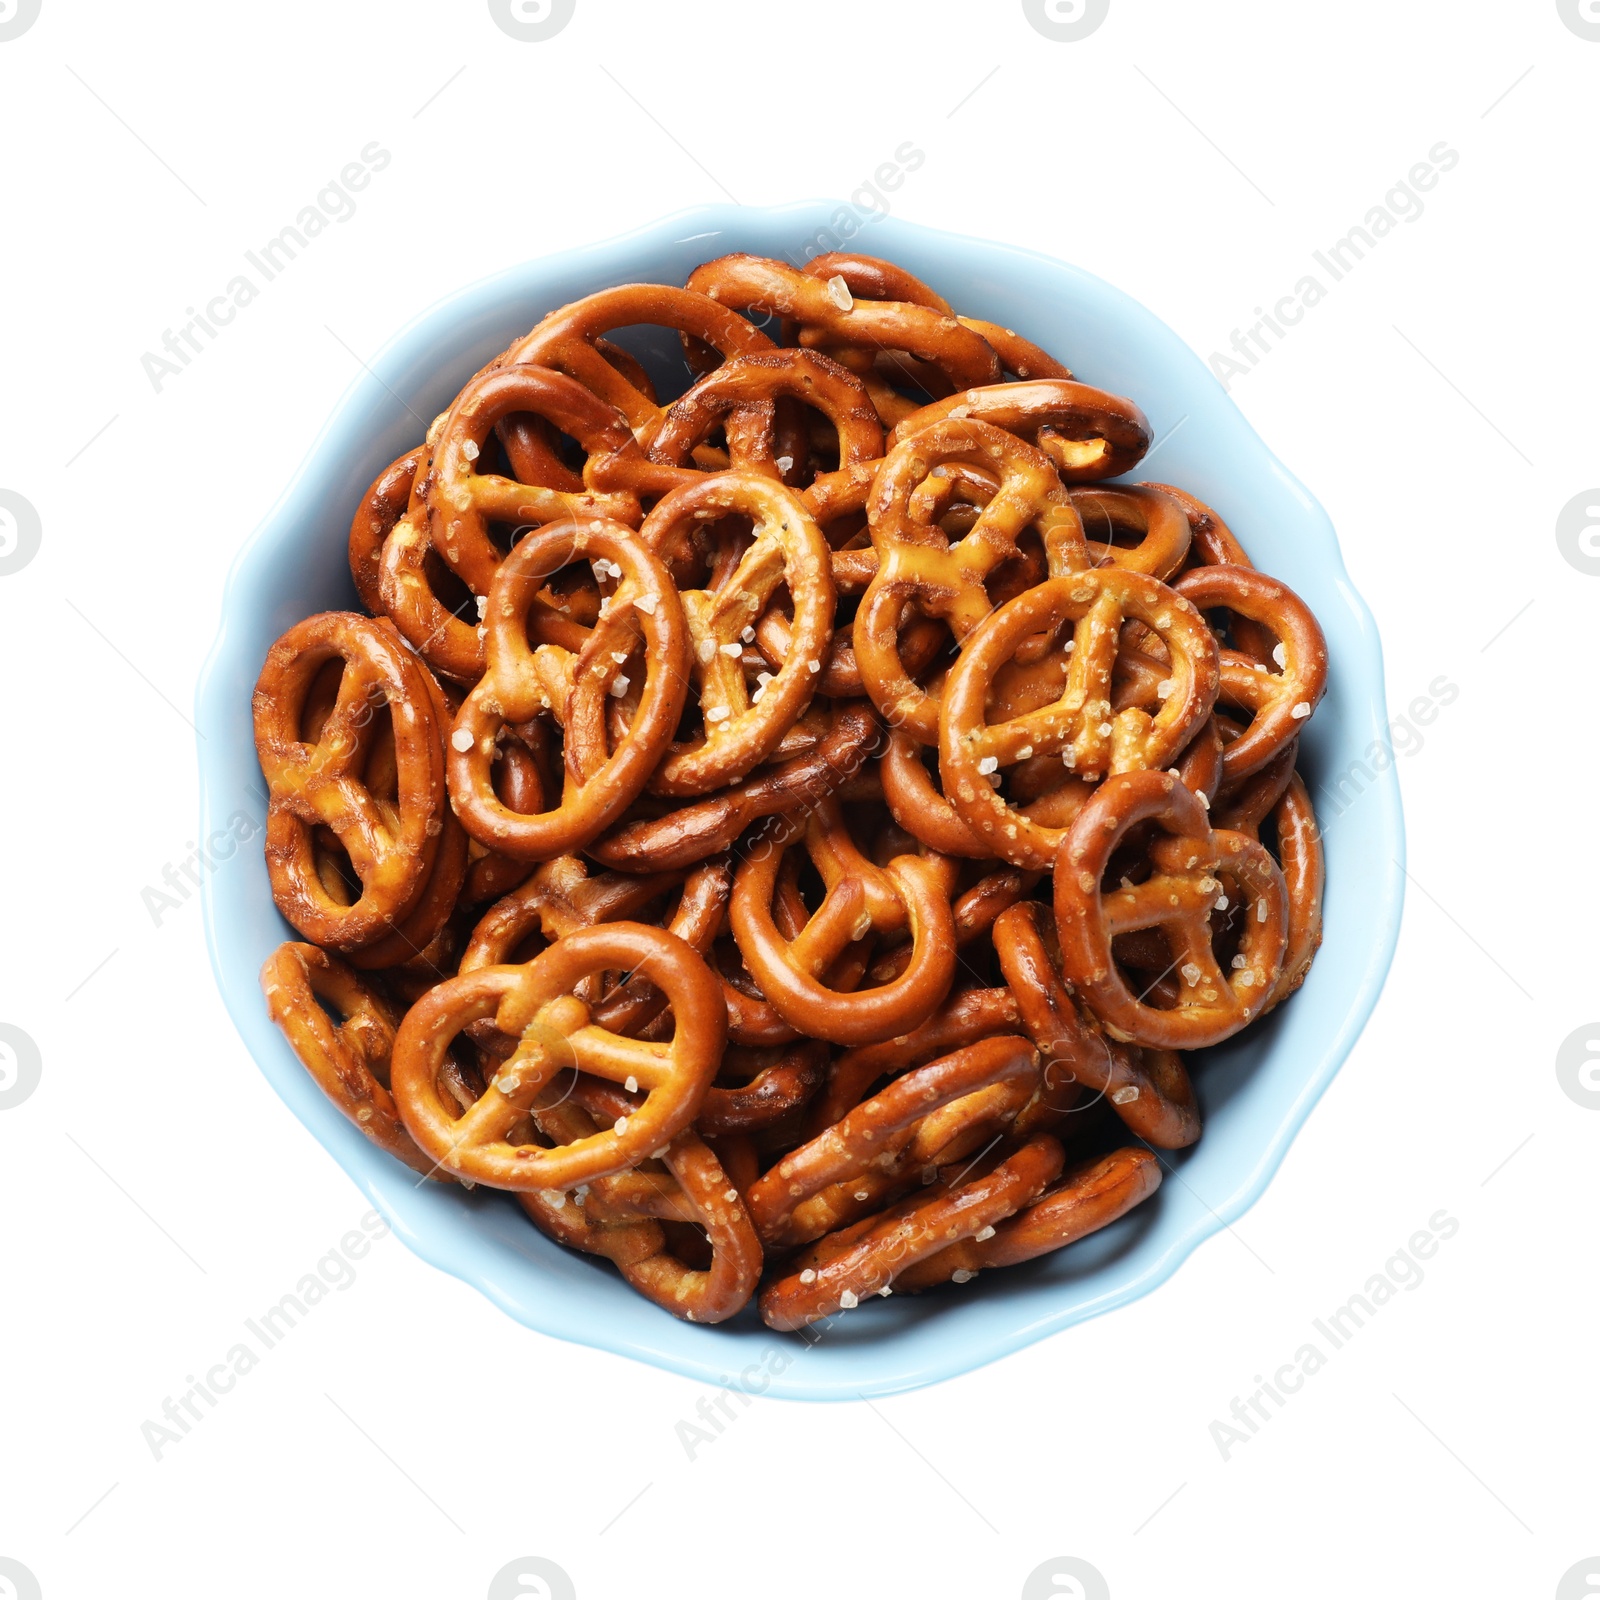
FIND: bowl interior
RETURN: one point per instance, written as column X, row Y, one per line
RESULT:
column 1255, row 1091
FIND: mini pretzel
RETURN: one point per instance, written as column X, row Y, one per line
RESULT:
column 462, row 501
column 786, row 547
column 1089, row 1197
column 864, row 1140
column 740, row 396
column 599, row 785
column 917, row 565
column 1281, row 700
column 1080, row 724
column 1179, row 899
column 753, row 282
column 706, row 827
column 873, row 1261
column 1088, row 433
column 1158, row 519
column 381, row 507
column 567, row 339
column 349, row 1059
column 906, row 896
column 1148, row 1089
column 963, row 1019
column 391, row 846
column 534, row 1004
column 695, row 1189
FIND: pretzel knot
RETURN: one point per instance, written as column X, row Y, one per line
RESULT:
column 1197, row 871
column 391, row 844
column 931, row 334
column 786, row 548
column 1079, row 724
column 349, row 1058
column 1087, row 433
column 1279, row 701
column 600, row 783
column 567, row 340
column 908, row 896
column 462, row 501
column 883, row 1252
column 534, row 1004
column 1148, row 1089
column 901, row 1128
column 919, row 567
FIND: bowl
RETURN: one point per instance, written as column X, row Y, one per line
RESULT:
column 1255, row 1090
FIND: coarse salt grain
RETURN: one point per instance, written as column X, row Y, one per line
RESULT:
column 1164, row 689
column 984, row 1233
column 470, row 450
column 784, row 463
column 813, row 666
column 748, row 635
column 1280, row 655
column 619, row 656
column 461, row 739
column 1191, row 973
column 632, row 1084
column 848, row 1300
column 1247, row 979
column 1122, row 1096
column 732, row 648
column 620, row 1125
column 706, row 649
column 483, row 606
column 989, row 764
column 619, row 685
column 646, row 603
column 962, row 1275
column 863, row 1194
column 1261, row 910
column 808, row 1275
column 839, row 292
column 717, row 714
column 1301, row 711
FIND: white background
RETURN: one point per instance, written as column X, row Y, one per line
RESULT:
column 408, row 1439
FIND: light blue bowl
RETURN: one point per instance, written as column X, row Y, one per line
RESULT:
column 1255, row 1092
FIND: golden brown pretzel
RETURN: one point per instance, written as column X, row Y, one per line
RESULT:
column 1148, row 1089
column 694, row 1190
column 918, row 566
column 1088, row 433
column 600, row 783
column 927, row 1225
column 1190, row 865
column 706, row 827
column 1080, row 725
column 832, row 316
column 534, row 1003
column 381, row 507
column 462, row 501
column 741, row 396
column 785, row 548
column 1157, row 518
column 349, row 1058
column 784, row 1202
column 1089, row 1197
column 906, row 896
column 1279, row 698
column 569, row 340
column 391, row 847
